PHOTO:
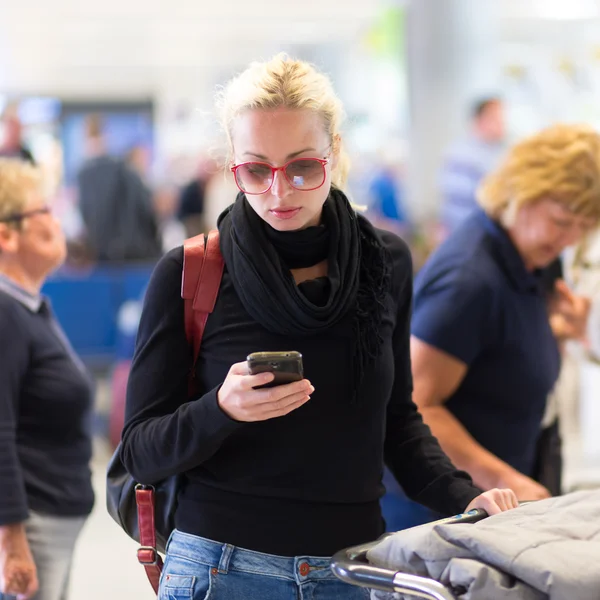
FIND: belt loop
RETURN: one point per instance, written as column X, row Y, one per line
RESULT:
column 225, row 558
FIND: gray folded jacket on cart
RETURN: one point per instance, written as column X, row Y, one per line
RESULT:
column 543, row 550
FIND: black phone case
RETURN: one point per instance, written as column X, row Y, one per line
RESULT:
column 286, row 366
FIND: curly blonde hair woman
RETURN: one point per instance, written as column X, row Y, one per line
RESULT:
column 277, row 480
column 485, row 353
column 45, row 402
column 559, row 163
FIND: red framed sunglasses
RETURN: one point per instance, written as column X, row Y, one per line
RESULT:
column 304, row 174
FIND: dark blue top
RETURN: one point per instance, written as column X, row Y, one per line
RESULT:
column 475, row 300
column 45, row 410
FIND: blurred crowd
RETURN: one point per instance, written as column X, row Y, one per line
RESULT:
column 117, row 210
column 451, row 386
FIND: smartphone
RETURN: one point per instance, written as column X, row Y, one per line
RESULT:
column 286, row 366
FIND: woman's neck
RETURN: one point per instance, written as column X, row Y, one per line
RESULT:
column 300, row 249
column 530, row 265
column 19, row 276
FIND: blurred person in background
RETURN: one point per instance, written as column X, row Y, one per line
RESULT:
column 276, row 482
column 219, row 192
column 137, row 160
column 486, row 335
column 115, row 204
column 386, row 194
column 580, row 360
column 11, row 136
column 192, row 201
column 172, row 231
column 469, row 160
column 45, row 402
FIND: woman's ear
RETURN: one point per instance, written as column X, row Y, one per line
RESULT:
column 508, row 216
column 9, row 239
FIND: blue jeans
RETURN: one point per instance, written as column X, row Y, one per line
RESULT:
column 200, row 569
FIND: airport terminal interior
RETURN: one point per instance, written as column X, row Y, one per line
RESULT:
column 435, row 92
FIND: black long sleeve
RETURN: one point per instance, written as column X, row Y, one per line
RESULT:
column 308, row 483
column 164, row 433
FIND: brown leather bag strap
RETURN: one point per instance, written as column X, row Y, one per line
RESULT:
column 202, row 273
column 147, row 554
column 200, row 282
column 193, row 262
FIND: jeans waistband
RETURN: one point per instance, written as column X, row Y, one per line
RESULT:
column 225, row 558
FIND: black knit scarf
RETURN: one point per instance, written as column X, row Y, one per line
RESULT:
column 259, row 261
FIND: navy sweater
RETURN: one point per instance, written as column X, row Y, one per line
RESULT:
column 45, row 404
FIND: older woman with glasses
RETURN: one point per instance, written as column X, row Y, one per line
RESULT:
column 277, row 480
column 486, row 331
column 45, row 402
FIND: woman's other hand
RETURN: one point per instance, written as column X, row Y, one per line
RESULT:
column 569, row 313
column 494, row 501
column 18, row 574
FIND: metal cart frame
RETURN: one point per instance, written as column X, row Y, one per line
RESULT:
column 351, row 565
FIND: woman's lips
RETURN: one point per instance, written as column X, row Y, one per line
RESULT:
column 284, row 213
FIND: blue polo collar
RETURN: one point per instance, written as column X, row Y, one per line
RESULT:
column 510, row 260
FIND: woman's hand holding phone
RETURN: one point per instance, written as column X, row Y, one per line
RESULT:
column 241, row 402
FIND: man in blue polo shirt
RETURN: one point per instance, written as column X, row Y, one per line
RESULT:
column 485, row 354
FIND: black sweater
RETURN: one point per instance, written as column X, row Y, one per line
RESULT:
column 308, row 483
column 45, row 410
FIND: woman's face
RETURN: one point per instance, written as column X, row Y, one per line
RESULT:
column 276, row 137
column 39, row 244
column 543, row 229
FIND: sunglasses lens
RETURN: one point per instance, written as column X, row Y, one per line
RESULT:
column 305, row 173
column 254, row 178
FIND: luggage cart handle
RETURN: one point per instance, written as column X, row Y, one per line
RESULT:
column 390, row 581
column 351, row 565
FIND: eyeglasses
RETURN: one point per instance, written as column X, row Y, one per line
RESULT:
column 44, row 210
column 304, row 174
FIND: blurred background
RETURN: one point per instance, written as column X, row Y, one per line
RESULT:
column 412, row 76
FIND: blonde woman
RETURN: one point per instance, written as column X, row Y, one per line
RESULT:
column 485, row 353
column 45, row 402
column 276, row 480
